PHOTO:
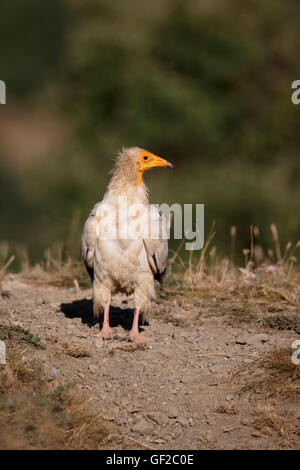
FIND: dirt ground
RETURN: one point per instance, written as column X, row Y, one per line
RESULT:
column 192, row 388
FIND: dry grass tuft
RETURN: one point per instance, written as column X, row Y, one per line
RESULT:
column 20, row 335
column 4, row 268
column 269, row 282
column 275, row 376
column 58, row 268
column 129, row 347
column 272, row 277
column 270, row 423
column 283, row 322
column 39, row 413
column 70, row 273
column 274, row 386
column 77, row 350
column 267, row 420
column 279, row 362
column 226, row 408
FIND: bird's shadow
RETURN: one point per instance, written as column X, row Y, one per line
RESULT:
column 84, row 309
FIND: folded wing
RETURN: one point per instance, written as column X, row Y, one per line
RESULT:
column 156, row 245
column 88, row 241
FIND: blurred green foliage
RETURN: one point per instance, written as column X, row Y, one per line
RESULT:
column 205, row 84
column 31, row 44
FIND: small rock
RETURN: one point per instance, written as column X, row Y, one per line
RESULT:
column 158, row 418
column 142, row 427
column 99, row 343
column 241, row 342
column 213, row 382
column 211, row 422
column 257, row 339
column 53, row 373
column 172, row 411
column 256, row 434
column 229, row 397
column 229, row 429
column 244, row 421
column 80, row 334
column 159, row 441
column 108, row 417
column 261, row 338
column 93, row 368
column 183, row 421
column 77, row 321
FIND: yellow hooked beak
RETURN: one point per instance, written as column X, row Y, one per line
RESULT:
column 158, row 161
column 148, row 160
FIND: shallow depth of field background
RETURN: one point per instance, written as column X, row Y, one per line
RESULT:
column 205, row 84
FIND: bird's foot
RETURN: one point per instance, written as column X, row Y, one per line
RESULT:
column 106, row 333
column 136, row 337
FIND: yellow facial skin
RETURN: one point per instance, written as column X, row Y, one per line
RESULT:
column 148, row 160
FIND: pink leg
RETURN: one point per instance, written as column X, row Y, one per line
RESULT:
column 134, row 334
column 106, row 331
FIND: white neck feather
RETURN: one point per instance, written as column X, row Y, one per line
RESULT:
column 124, row 181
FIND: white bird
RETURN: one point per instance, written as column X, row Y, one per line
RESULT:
column 118, row 246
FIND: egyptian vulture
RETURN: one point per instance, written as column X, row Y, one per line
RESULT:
column 124, row 244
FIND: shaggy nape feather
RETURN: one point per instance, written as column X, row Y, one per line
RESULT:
column 124, row 173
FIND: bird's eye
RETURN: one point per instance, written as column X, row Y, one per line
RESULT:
column 145, row 157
